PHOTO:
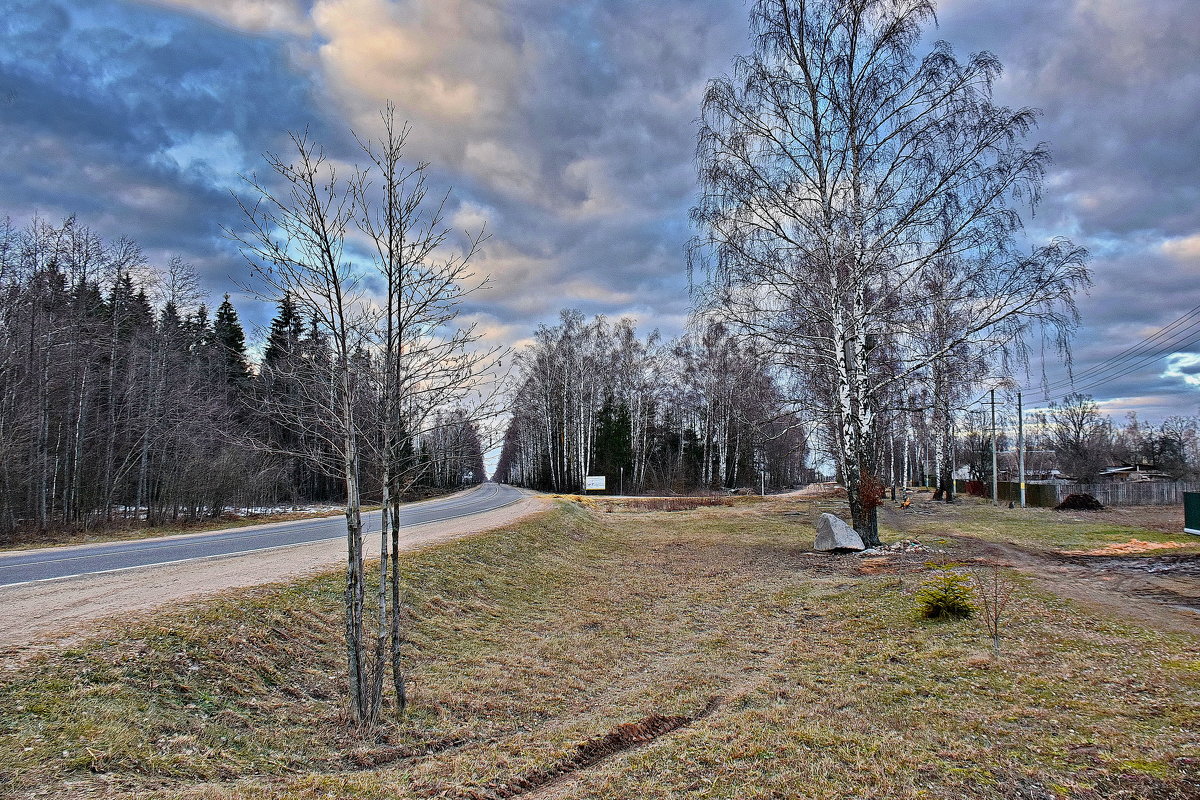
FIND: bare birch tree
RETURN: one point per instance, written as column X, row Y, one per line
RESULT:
column 295, row 242
column 398, row 363
column 840, row 176
column 428, row 362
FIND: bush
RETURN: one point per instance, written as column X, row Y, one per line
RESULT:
column 996, row 592
column 947, row 595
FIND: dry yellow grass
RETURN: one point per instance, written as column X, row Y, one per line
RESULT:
column 812, row 677
column 1132, row 547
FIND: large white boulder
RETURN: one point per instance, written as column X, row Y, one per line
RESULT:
column 833, row 534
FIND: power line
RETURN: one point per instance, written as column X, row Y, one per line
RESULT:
column 1126, row 371
column 1152, row 346
column 1099, row 374
column 1147, row 351
column 1165, row 345
column 1139, row 365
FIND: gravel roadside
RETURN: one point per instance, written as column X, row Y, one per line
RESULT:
column 53, row 613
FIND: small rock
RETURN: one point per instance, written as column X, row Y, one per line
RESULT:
column 834, row 535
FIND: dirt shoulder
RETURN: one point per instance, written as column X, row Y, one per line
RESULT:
column 52, row 613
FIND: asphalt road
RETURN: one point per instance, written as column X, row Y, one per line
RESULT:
column 68, row 562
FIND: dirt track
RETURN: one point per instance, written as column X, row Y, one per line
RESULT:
column 1159, row 592
column 51, row 613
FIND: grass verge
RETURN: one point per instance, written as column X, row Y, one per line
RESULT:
column 787, row 674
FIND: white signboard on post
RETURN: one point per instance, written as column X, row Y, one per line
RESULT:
column 594, row 483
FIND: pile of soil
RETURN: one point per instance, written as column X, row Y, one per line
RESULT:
column 1079, row 502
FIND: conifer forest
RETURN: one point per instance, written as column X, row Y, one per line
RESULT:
column 124, row 399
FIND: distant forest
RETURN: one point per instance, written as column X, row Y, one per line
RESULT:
column 124, row 399
column 702, row 412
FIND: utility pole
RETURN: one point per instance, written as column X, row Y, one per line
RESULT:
column 995, row 478
column 1021, row 448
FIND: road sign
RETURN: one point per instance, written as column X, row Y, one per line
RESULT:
column 594, row 483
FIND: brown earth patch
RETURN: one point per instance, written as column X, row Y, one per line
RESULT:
column 625, row 736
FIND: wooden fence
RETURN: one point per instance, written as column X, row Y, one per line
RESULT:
column 1140, row 493
column 1048, row 495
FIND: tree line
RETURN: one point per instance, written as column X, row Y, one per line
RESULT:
column 702, row 412
column 125, row 400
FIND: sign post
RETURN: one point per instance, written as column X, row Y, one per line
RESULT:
column 593, row 483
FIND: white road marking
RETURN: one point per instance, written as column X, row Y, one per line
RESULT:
column 229, row 555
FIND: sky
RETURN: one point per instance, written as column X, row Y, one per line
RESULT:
column 569, row 128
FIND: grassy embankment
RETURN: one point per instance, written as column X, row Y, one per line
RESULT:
column 809, row 676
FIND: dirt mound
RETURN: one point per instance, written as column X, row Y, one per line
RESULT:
column 1079, row 502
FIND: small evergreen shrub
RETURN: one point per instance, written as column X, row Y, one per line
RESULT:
column 946, row 595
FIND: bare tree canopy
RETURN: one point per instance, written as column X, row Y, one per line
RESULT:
column 859, row 213
column 398, row 374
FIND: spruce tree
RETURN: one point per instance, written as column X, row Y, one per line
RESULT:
column 231, row 341
column 287, row 329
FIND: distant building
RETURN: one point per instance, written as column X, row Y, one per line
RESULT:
column 1133, row 473
column 1047, row 476
column 1123, row 472
column 1038, row 468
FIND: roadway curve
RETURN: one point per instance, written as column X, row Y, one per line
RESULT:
column 68, row 562
column 51, row 591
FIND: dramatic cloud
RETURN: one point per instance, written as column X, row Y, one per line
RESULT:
column 1116, row 83
column 1185, row 366
column 568, row 128
column 254, row 16
column 452, row 66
